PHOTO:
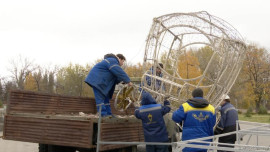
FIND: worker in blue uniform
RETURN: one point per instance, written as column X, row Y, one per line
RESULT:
column 103, row 77
column 198, row 118
column 156, row 82
column 153, row 123
column 227, row 123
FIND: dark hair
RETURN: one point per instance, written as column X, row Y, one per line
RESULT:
column 161, row 65
column 198, row 92
column 121, row 56
column 109, row 55
column 227, row 100
column 158, row 67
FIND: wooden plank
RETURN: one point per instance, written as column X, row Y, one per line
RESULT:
column 50, row 131
column 33, row 102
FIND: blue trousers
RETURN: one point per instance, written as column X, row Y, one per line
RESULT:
column 156, row 148
column 100, row 99
column 194, row 150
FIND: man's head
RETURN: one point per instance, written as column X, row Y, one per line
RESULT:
column 226, row 98
column 198, row 92
column 121, row 59
column 158, row 70
column 147, row 99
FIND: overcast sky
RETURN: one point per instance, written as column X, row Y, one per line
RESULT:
column 57, row 32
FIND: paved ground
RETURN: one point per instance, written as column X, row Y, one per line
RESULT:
column 262, row 140
column 16, row 146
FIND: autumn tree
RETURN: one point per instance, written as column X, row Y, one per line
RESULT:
column 30, row 83
column 134, row 70
column 188, row 65
column 204, row 55
column 70, row 81
column 256, row 69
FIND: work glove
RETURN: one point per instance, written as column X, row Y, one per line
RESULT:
column 166, row 103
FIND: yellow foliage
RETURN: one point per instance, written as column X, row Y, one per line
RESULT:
column 247, row 95
column 134, row 70
column 30, row 83
column 188, row 66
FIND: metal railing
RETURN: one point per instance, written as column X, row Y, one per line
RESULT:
column 260, row 129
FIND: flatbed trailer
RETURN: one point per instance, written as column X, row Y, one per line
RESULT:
column 65, row 123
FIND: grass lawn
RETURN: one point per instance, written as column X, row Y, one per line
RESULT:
column 255, row 118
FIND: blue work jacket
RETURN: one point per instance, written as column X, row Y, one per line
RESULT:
column 149, row 80
column 151, row 115
column 227, row 123
column 105, row 75
column 198, row 118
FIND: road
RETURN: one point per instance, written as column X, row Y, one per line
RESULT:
column 16, row 146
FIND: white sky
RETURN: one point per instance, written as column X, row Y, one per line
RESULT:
column 58, row 32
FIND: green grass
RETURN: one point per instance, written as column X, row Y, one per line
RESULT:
column 255, row 118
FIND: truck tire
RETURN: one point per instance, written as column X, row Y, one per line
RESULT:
column 42, row 148
column 86, row 149
column 56, row 148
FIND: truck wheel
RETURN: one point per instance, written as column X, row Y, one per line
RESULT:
column 86, row 149
column 42, row 148
column 56, row 148
column 127, row 149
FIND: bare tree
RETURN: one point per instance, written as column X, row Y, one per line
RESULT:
column 37, row 76
column 21, row 67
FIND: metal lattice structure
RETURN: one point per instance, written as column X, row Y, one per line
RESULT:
column 180, row 41
column 212, row 52
column 197, row 50
column 258, row 130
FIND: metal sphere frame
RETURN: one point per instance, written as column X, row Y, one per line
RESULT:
column 171, row 39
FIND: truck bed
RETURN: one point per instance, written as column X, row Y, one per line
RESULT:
column 54, row 119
